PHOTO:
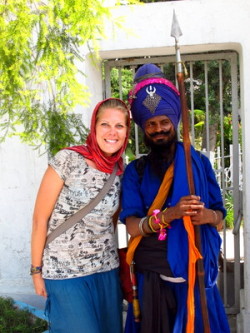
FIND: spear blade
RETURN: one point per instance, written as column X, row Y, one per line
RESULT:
column 176, row 33
column 175, row 29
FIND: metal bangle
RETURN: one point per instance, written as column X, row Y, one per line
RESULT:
column 140, row 226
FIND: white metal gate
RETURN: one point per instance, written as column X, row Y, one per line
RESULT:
column 212, row 85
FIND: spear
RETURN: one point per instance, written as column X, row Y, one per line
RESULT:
column 176, row 33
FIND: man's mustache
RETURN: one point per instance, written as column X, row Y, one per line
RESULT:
column 153, row 135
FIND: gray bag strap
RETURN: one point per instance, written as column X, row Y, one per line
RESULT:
column 72, row 220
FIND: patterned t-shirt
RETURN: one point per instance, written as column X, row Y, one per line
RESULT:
column 90, row 245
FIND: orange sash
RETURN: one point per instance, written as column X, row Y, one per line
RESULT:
column 193, row 256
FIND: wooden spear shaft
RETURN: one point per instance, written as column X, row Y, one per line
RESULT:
column 187, row 146
column 176, row 33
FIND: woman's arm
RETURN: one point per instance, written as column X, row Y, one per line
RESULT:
column 48, row 193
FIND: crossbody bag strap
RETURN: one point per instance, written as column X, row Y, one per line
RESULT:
column 72, row 220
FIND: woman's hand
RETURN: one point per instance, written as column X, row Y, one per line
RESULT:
column 39, row 285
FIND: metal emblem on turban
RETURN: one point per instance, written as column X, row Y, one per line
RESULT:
column 152, row 100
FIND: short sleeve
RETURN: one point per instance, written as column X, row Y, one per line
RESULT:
column 63, row 162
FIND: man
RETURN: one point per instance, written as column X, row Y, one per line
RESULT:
column 159, row 214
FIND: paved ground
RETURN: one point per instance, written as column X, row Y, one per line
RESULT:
column 229, row 244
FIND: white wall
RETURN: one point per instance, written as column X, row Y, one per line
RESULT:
column 205, row 25
column 21, row 170
column 93, row 83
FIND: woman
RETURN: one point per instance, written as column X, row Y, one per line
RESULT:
column 78, row 271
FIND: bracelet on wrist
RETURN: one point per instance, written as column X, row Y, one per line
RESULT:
column 163, row 221
column 150, row 224
column 35, row 269
column 162, row 231
column 140, row 226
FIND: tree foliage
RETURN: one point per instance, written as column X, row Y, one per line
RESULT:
column 41, row 52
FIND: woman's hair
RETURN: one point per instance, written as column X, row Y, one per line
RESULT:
column 114, row 103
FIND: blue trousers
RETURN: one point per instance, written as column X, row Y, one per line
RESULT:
column 89, row 304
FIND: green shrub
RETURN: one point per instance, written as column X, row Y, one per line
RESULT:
column 14, row 320
column 230, row 211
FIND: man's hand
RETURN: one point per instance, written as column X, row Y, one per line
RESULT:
column 192, row 206
column 189, row 205
column 206, row 215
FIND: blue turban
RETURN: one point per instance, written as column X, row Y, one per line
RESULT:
column 153, row 96
column 147, row 71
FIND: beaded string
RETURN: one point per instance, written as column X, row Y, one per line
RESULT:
column 162, row 231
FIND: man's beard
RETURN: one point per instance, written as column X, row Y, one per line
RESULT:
column 161, row 152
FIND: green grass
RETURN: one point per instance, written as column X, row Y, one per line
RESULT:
column 230, row 211
column 14, row 320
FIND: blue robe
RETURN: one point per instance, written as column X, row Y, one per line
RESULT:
column 138, row 195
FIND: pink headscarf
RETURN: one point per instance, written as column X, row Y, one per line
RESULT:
column 92, row 151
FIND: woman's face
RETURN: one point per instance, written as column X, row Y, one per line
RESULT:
column 111, row 130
